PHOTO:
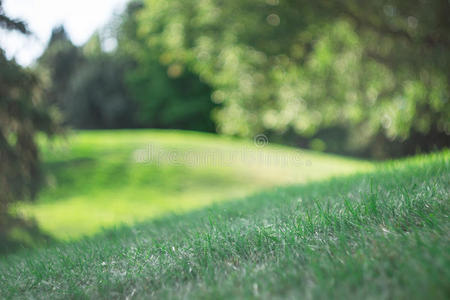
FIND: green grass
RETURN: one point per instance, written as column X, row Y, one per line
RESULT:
column 95, row 182
column 380, row 235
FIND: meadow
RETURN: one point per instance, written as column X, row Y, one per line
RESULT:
column 135, row 161
column 379, row 234
column 101, row 179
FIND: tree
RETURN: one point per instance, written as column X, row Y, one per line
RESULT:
column 86, row 83
column 168, row 94
column 22, row 116
column 57, row 65
column 97, row 96
column 379, row 69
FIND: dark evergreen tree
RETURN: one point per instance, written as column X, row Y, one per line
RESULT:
column 22, row 115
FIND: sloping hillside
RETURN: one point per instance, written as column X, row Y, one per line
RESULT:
column 380, row 235
column 104, row 178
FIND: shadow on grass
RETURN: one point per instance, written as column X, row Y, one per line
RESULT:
column 17, row 233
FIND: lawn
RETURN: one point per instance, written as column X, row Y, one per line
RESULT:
column 383, row 234
column 101, row 179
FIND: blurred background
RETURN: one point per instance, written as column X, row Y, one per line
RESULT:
column 361, row 79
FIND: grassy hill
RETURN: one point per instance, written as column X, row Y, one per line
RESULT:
column 379, row 235
column 100, row 179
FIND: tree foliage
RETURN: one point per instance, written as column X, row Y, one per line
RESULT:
column 125, row 87
column 58, row 64
column 168, row 94
column 380, row 69
column 22, row 116
column 98, row 97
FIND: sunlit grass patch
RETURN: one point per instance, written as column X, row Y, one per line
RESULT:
column 103, row 178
